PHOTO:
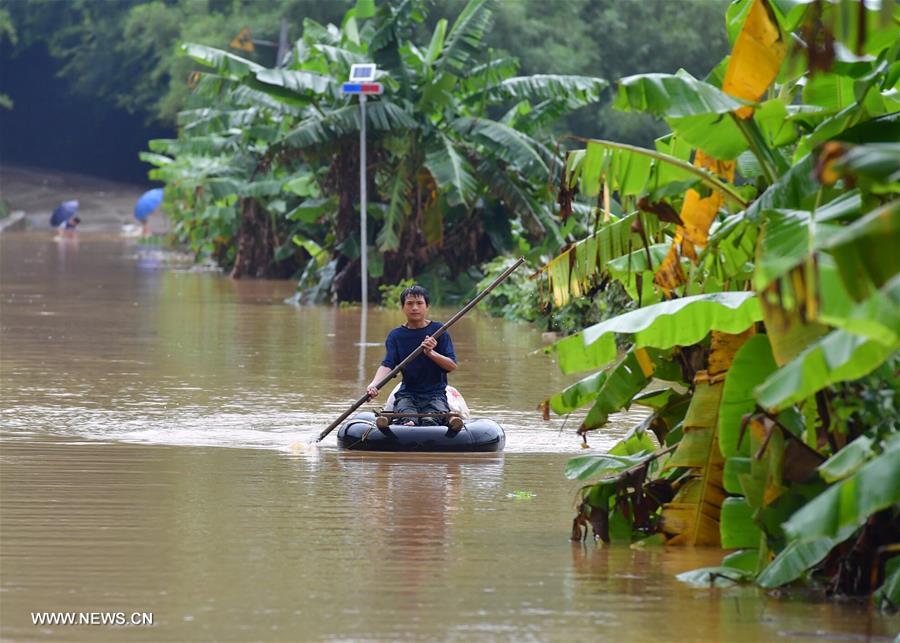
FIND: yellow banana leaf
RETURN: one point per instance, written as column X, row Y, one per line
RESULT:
column 756, row 58
column 581, row 266
column 697, row 213
column 692, row 518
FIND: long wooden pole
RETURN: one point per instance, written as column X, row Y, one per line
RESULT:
column 440, row 331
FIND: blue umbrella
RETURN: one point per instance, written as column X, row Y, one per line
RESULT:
column 63, row 212
column 147, row 204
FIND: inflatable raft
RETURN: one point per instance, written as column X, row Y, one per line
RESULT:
column 359, row 433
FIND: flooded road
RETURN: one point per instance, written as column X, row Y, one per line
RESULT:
column 126, row 375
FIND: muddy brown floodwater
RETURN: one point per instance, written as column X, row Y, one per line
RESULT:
column 147, row 413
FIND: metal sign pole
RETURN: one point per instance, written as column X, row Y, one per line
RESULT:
column 362, row 77
column 363, row 238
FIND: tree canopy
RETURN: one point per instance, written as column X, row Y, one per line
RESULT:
column 125, row 53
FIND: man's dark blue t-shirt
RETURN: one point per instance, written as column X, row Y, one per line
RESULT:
column 421, row 376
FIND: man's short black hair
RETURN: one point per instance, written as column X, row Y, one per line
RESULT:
column 415, row 291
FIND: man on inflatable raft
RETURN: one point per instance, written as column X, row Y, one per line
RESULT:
column 423, row 393
column 418, row 415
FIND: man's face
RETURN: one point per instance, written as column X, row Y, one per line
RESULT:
column 414, row 307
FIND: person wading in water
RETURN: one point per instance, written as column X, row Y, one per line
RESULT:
column 424, row 388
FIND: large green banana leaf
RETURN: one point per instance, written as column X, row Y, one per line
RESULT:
column 707, row 577
column 518, row 198
column 436, row 44
column 785, row 243
column 544, row 87
column 878, row 317
column 285, row 104
column 400, row 198
column 752, row 364
column 839, row 356
column 587, row 467
column 673, row 96
column 321, row 128
column 209, row 122
column 613, row 389
column 866, row 250
column 450, row 170
column 679, row 322
column 848, row 460
column 888, row 595
column 311, row 210
column 732, row 244
column 698, row 111
column 298, row 82
column 718, row 135
column 632, row 271
column 626, row 172
column 586, row 262
column 737, row 528
column 789, row 13
column 225, row 63
column 795, row 559
column 866, row 334
column 849, row 503
column 464, row 41
column 870, row 104
column 514, row 147
column 881, row 128
column 578, row 394
column 631, row 170
column 626, row 380
column 876, row 163
column 210, row 145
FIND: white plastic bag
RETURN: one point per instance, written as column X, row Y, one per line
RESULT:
column 454, row 400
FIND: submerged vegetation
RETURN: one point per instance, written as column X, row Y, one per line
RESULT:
column 758, row 241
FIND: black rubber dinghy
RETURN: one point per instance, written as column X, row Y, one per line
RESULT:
column 359, row 433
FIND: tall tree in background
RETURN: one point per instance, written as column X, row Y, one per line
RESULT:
column 125, row 54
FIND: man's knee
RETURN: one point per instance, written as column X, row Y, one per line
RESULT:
column 402, row 406
column 438, row 406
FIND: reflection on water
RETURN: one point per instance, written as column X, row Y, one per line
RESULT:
column 120, row 382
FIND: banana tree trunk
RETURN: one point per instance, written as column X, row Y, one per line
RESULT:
column 256, row 243
column 692, row 517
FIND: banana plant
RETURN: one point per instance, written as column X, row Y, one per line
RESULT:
column 770, row 279
column 459, row 145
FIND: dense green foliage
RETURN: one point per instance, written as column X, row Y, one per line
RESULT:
column 264, row 174
column 125, row 53
column 761, row 253
column 7, row 33
column 519, row 298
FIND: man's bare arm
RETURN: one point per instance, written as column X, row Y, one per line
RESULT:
column 380, row 374
column 443, row 361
